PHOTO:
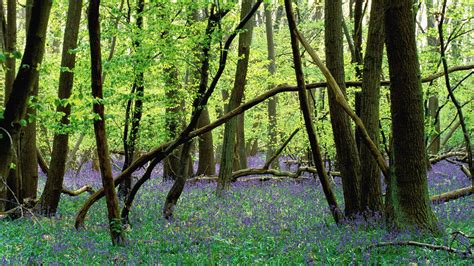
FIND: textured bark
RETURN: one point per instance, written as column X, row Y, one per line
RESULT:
column 230, row 131
column 174, row 122
column 346, row 149
column 433, row 101
column 52, row 192
column 303, row 99
column 272, row 103
column 115, row 226
column 371, row 187
column 358, row 57
column 207, row 165
column 22, row 86
column 409, row 194
column 138, row 89
column 3, row 28
column 10, row 47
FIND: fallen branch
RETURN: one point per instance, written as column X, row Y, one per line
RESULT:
column 452, row 195
column 466, row 171
column 436, row 159
column 466, row 253
column 79, row 191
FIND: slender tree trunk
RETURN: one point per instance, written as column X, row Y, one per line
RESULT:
column 433, row 101
column 346, row 149
column 371, row 187
column 10, row 124
column 138, row 89
column 52, row 192
column 237, row 94
column 358, row 57
column 409, row 194
column 303, row 99
column 272, row 103
column 99, row 125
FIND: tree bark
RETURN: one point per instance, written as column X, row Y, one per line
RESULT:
column 10, row 124
column 371, row 187
column 49, row 201
column 409, row 195
column 207, row 165
column 115, row 224
column 272, row 102
column 303, row 99
column 237, row 94
column 10, row 48
column 138, row 89
column 346, row 148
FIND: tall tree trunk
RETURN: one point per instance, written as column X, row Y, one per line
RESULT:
column 52, row 191
column 10, row 124
column 358, row 57
column 138, row 89
column 371, row 187
column 411, row 206
column 346, row 149
column 272, row 103
column 433, row 101
column 115, row 224
column 303, row 99
column 28, row 158
column 174, row 122
column 230, row 131
column 10, row 48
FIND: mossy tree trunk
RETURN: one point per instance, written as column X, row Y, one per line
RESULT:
column 409, row 194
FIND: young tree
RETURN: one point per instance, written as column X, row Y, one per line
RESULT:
column 409, row 195
column 230, row 131
column 14, row 114
column 115, row 224
column 371, row 187
column 346, row 150
column 303, row 99
column 272, row 103
column 52, row 191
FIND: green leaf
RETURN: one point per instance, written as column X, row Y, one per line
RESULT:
column 16, row 54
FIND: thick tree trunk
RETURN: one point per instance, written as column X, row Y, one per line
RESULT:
column 371, row 187
column 174, row 120
column 115, row 223
column 10, row 124
column 409, row 195
column 52, row 192
column 303, row 99
column 207, row 165
column 272, row 103
column 346, row 148
column 230, row 131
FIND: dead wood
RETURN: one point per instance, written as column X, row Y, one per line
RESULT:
column 438, row 158
column 452, row 195
column 77, row 192
column 467, row 253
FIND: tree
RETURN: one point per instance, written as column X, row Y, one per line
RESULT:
column 136, row 99
column 52, row 192
column 346, row 149
column 272, row 103
column 115, row 223
column 303, row 99
column 409, row 195
column 371, row 187
column 230, row 131
column 14, row 114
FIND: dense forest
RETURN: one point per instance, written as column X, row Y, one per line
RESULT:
column 236, row 131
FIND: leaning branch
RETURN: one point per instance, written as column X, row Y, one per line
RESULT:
column 283, row 146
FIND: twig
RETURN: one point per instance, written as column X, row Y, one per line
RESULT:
column 278, row 152
column 423, row 245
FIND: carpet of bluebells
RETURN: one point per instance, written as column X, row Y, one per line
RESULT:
column 273, row 222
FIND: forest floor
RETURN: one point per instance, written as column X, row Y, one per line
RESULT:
column 273, row 222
